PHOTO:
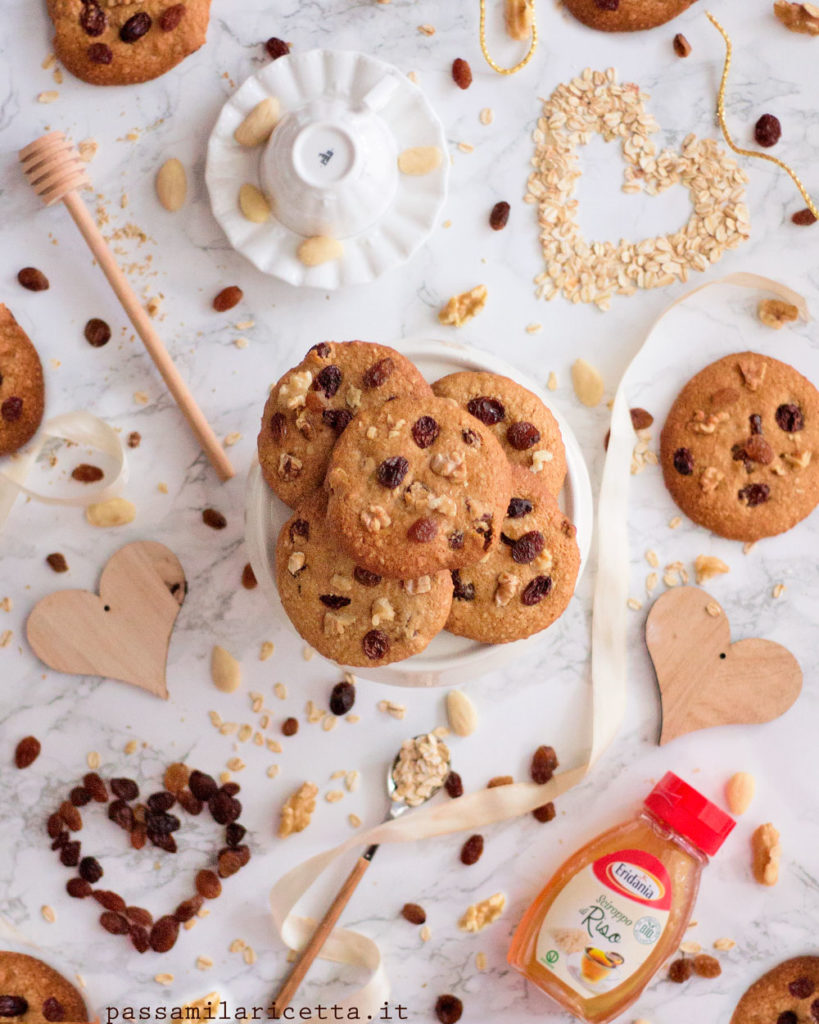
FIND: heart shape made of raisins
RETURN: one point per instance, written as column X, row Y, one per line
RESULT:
column 705, row 679
column 150, row 822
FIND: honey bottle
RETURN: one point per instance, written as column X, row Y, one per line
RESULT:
column 614, row 912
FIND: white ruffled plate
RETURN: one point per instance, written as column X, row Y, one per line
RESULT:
column 448, row 659
column 298, row 79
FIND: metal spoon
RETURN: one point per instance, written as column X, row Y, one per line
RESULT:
column 398, row 805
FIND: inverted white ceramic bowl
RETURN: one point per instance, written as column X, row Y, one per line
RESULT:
column 448, row 659
column 330, row 167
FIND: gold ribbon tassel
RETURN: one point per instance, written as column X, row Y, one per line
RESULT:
column 485, row 50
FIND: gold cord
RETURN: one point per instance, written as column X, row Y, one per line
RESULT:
column 721, row 118
column 485, row 50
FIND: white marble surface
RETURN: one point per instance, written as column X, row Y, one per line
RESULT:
column 541, row 698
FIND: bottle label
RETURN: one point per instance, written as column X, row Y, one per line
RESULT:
column 606, row 922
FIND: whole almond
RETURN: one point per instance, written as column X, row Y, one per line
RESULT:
column 258, row 126
column 228, row 298
column 114, row 512
column 461, row 713
column 314, row 251
column 253, row 204
column 739, row 792
column 587, row 383
column 224, row 670
column 172, row 185
column 420, row 160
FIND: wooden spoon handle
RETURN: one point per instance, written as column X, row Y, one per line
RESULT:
column 288, row 990
column 144, row 328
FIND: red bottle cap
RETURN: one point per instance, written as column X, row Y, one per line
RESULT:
column 685, row 810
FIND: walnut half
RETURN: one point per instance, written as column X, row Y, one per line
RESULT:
column 297, row 810
column 798, row 17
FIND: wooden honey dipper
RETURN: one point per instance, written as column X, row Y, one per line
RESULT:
column 56, row 172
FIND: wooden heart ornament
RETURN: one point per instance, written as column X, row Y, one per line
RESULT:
column 122, row 633
column 706, row 680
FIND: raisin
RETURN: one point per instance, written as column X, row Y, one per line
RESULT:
column 471, row 850
column 60, row 841
column 12, row 409
column 788, row 1017
column 607, row 5
column 334, row 601
column 767, row 131
column 528, row 547
column 455, row 540
column 290, row 726
column 684, row 461
column 499, row 216
column 188, row 802
column 27, row 751
column 641, row 419
column 758, row 450
column 125, row 789
column 208, row 884
column 789, row 418
column 176, row 777
column 188, row 909
column 71, row 816
column 121, row 814
column 99, row 53
column 86, row 474
column 78, row 888
column 161, row 802
column 140, row 939
column 708, row 967
column 544, row 813
column 135, row 27
column 249, row 581
column 518, row 507
column 92, row 18
column 57, row 562
column 522, row 435
column 235, row 833
column 803, row 217
column 814, row 1009
column 535, row 590
column 376, row 644
column 96, row 787
column 544, row 762
column 138, row 837
column 328, row 381
column 484, row 527
column 681, row 45
column 471, row 438
column 800, row 988
column 378, row 373
column 461, row 591
column 755, row 420
column 134, row 439
column 139, row 916
column 322, row 349
column 79, row 796
column 228, row 298
column 33, row 279
column 337, row 419
column 365, row 577
column 278, row 48
column 424, row 431
column 413, row 913
column 55, row 825
column 487, row 410
column 461, row 73
column 114, row 923
column 224, row 808
column 231, row 788
column 171, row 16
column 162, row 841
column 215, row 520
column 392, row 471
column 229, row 863
column 110, row 900
column 162, row 824
column 53, row 1009
column 299, row 528
column 754, row 494
column 278, row 426
column 13, row 1006
column 448, row 1009
column 164, row 934
column 680, row 970
column 454, row 785
column 423, row 530
column 90, row 869
column 342, row 698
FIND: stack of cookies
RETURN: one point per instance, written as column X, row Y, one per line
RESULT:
column 415, row 508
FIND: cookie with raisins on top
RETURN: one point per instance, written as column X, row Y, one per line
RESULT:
column 526, row 429
column 787, row 994
column 739, row 447
column 348, row 614
column 312, row 404
column 626, row 15
column 34, row 993
column 22, row 391
column 528, row 580
column 108, row 42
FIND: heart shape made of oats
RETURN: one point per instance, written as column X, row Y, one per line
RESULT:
column 705, row 679
column 594, row 103
column 150, row 822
